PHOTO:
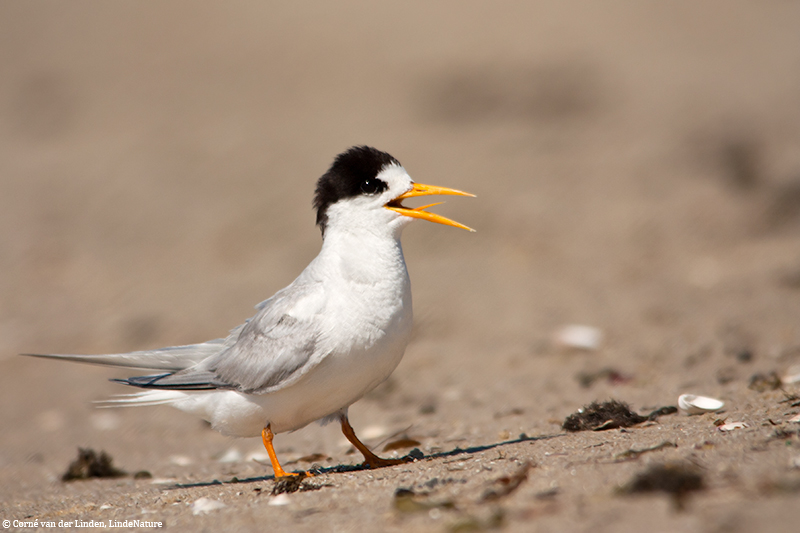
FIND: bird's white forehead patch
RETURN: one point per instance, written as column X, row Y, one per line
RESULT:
column 396, row 177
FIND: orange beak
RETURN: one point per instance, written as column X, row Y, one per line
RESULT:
column 419, row 212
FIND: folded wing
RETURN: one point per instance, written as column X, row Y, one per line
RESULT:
column 268, row 352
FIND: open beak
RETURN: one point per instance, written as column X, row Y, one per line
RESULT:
column 419, row 212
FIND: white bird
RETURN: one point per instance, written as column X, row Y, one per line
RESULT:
column 318, row 345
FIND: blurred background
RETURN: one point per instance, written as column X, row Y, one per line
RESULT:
column 636, row 165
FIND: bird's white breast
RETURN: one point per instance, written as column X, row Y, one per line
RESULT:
column 367, row 323
column 362, row 302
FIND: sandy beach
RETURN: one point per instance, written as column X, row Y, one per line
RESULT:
column 637, row 172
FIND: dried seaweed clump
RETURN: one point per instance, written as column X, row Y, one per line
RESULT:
column 598, row 416
column 89, row 464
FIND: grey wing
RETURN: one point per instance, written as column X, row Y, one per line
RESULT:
column 272, row 350
column 268, row 356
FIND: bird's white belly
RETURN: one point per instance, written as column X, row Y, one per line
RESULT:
column 336, row 382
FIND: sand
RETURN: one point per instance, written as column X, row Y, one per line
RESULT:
column 637, row 170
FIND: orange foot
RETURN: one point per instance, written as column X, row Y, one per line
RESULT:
column 370, row 459
column 373, row 461
column 284, row 474
column 266, row 437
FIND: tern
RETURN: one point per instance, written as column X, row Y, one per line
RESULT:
column 318, row 345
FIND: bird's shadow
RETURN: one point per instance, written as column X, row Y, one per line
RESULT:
column 340, row 469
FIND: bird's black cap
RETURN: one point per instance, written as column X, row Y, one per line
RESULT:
column 352, row 173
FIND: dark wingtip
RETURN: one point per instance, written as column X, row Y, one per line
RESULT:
column 152, row 382
column 145, row 382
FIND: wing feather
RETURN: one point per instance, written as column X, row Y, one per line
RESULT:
column 277, row 346
column 270, row 351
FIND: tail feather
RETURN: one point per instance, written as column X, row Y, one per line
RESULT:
column 173, row 358
column 141, row 399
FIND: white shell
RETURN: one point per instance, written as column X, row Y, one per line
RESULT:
column 163, row 480
column 205, row 505
column 231, row 456
column 792, row 376
column 730, row 426
column 259, row 456
column 373, row 432
column 180, row 460
column 695, row 405
column 105, row 421
column 795, row 418
column 578, row 336
column 280, row 499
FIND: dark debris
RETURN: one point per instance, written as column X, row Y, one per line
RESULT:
column 609, row 415
column 634, row 454
column 743, row 165
column 784, row 205
column 401, row 443
column 427, row 408
column 289, row 484
column 765, row 382
column 726, row 375
column 786, row 485
column 505, row 485
column 548, row 494
column 408, row 501
column 610, row 375
column 415, row 455
column 90, row 464
column 676, row 479
column 599, row 416
column 662, row 411
column 783, row 434
column 435, row 482
column 791, row 399
column 470, row 523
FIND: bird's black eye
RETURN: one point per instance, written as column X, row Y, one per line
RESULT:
column 370, row 186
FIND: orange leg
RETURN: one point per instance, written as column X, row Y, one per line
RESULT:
column 370, row 459
column 266, row 436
